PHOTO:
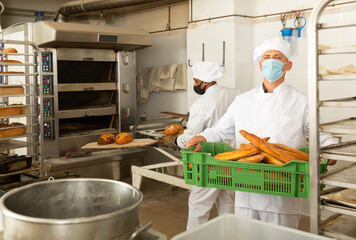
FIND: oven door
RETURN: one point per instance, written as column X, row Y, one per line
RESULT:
column 87, row 96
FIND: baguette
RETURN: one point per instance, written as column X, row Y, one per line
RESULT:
column 299, row 154
column 253, row 159
column 271, row 150
column 237, row 154
column 271, row 160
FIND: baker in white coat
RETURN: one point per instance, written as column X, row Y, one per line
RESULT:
column 273, row 109
column 204, row 113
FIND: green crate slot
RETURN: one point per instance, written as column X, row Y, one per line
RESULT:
column 201, row 169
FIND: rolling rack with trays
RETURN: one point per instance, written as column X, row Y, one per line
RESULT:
column 20, row 144
column 341, row 224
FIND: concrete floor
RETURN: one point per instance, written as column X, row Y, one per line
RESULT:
column 168, row 209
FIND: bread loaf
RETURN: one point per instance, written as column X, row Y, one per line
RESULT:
column 11, row 90
column 9, row 50
column 106, row 139
column 265, row 146
column 9, row 61
column 236, row 154
column 298, row 155
column 11, row 111
column 271, row 160
column 174, row 129
column 123, row 138
column 12, row 73
column 5, row 133
column 253, row 159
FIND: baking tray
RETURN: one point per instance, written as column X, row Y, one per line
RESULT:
column 343, row 197
column 13, row 163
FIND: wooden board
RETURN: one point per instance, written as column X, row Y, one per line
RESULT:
column 184, row 116
column 141, row 142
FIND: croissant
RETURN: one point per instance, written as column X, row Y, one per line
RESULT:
column 173, row 129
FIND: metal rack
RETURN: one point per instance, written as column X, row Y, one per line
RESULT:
column 342, row 223
column 30, row 143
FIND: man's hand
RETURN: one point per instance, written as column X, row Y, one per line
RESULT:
column 331, row 162
column 170, row 141
column 195, row 141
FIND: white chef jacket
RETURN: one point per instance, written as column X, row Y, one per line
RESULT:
column 206, row 111
column 282, row 116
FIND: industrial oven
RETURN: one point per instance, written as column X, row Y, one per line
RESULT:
column 89, row 82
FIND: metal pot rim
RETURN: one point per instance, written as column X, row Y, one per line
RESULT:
column 14, row 215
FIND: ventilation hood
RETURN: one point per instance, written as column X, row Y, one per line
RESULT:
column 61, row 34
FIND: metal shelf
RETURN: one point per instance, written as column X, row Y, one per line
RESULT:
column 340, row 210
column 14, row 144
column 30, row 169
column 19, row 116
column 341, row 77
column 21, row 136
column 17, row 95
column 17, row 54
column 345, row 126
column 337, row 51
column 340, row 227
column 344, row 151
column 343, row 102
column 17, row 64
column 333, row 25
column 345, row 178
column 18, row 74
column 18, row 85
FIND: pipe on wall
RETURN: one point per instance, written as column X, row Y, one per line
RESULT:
column 78, row 7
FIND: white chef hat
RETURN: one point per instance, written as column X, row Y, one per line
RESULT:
column 207, row 71
column 272, row 44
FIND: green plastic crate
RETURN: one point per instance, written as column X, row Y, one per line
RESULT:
column 202, row 170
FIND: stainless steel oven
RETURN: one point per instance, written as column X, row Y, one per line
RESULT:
column 89, row 82
column 87, row 92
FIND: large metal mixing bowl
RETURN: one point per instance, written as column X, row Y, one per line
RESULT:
column 81, row 209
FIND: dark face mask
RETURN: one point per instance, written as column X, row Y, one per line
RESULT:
column 198, row 90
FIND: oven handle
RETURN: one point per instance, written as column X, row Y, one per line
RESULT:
column 88, row 59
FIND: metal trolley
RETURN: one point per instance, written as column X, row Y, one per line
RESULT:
column 342, row 223
column 27, row 74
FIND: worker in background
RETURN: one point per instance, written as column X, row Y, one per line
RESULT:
column 205, row 113
column 273, row 109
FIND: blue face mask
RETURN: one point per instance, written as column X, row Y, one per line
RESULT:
column 272, row 69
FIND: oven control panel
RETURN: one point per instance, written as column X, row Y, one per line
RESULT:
column 47, row 83
column 47, row 62
column 48, row 107
column 48, row 130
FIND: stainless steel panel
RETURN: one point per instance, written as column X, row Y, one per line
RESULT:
column 60, row 34
column 77, row 54
column 74, row 142
column 111, row 164
column 51, row 149
column 88, row 112
column 68, row 87
column 127, row 89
